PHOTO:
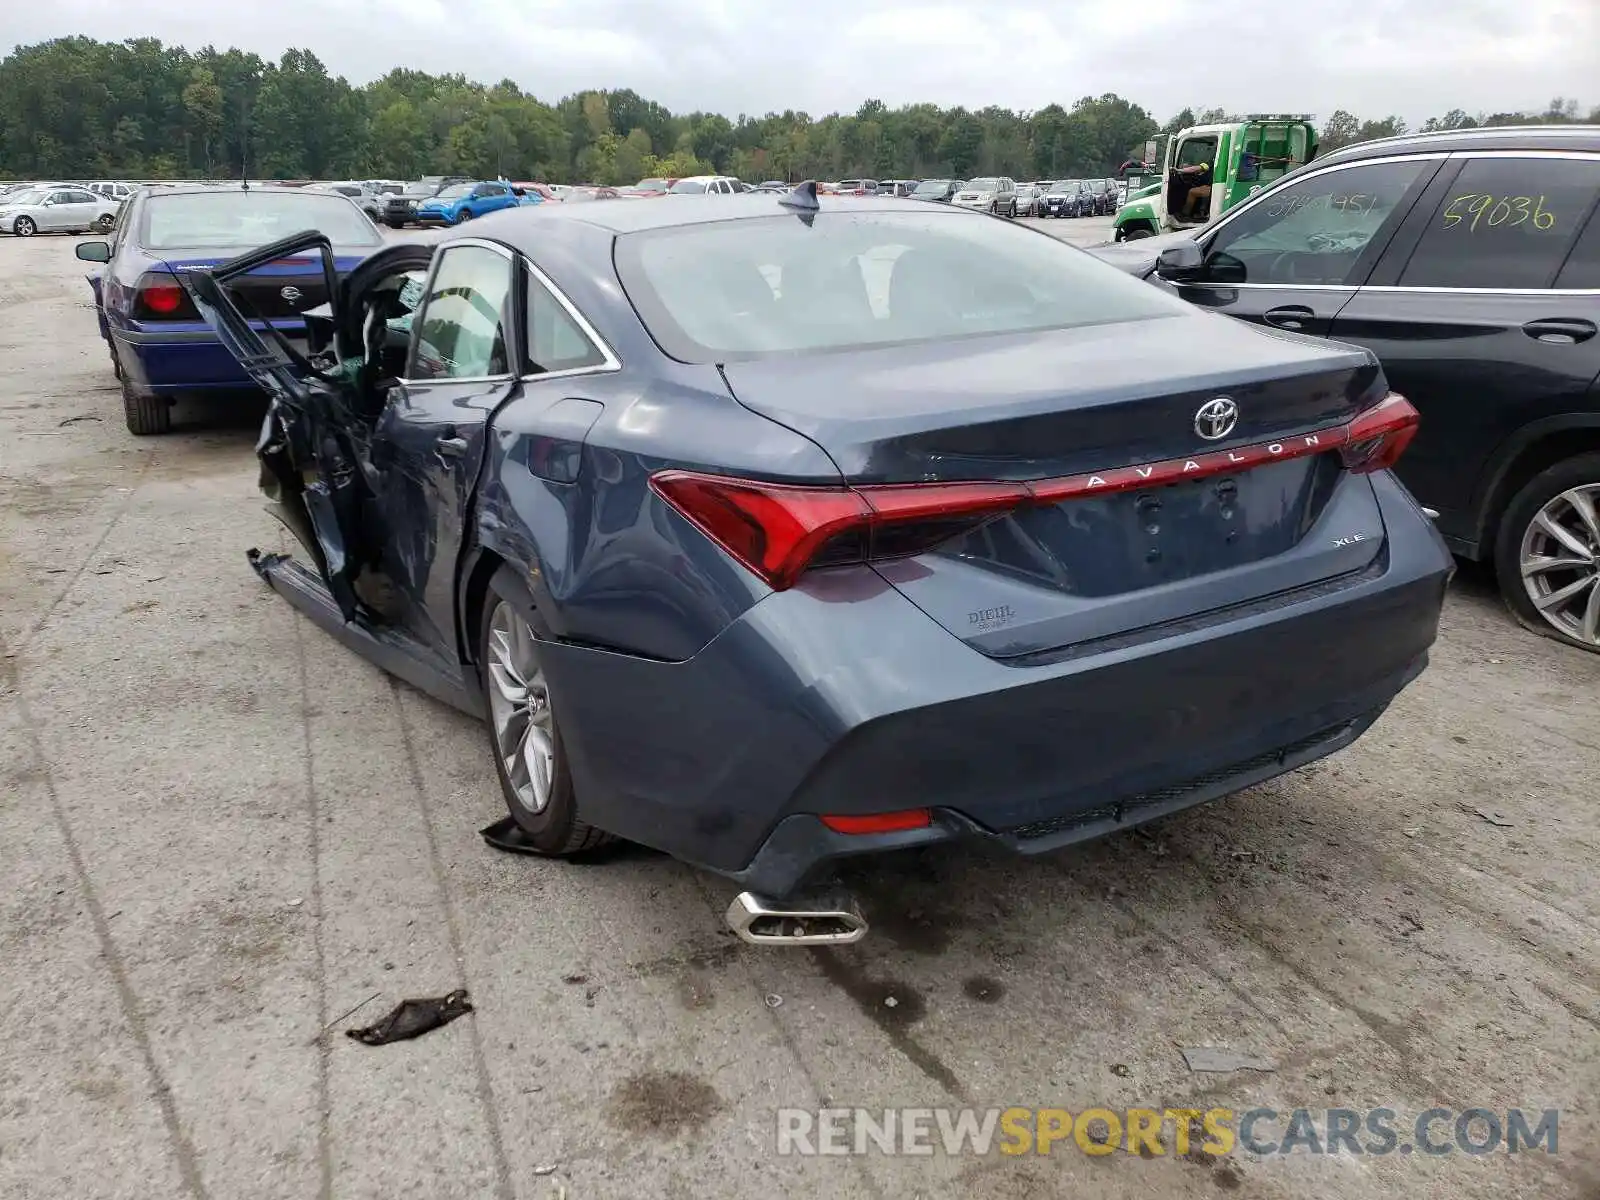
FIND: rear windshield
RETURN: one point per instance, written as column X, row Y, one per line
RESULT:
column 243, row 219
column 733, row 290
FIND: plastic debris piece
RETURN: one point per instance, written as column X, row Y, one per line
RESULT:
column 1219, row 1059
column 413, row 1018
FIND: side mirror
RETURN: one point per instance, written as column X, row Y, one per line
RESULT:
column 93, row 251
column 1181, row 263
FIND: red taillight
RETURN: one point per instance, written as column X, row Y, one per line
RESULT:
column 778, row 530
column 159, row 295
column 889, row 822
column 1377, row 438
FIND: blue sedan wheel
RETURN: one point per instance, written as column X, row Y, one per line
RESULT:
column 465, row 215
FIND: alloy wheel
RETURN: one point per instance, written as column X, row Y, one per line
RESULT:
column 519, row 706
column 24, row 227
column 1560, row 562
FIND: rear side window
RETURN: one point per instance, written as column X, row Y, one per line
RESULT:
column 556, row 342
column 1583, row 264
column 1505, row 223
column 461, row 332
column 745, row 289
column 1313, row 231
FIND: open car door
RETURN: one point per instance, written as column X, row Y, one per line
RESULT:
column 314, row 443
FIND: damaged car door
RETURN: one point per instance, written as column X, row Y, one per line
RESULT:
column 315, row 446
column 429, row 438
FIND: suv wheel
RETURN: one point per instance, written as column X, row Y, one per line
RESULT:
column 1547, row 553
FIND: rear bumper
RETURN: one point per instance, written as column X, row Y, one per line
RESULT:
column 842, row 697
column 187, row 359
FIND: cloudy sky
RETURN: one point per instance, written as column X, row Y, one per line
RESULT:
column 1411, row 57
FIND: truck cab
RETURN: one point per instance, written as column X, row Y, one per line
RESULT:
column 1238, row 159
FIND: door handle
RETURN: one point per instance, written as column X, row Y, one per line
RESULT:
column 1290, row 316
column 1560, row 331
column 450, row 447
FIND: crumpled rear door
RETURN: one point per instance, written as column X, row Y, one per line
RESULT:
column 310, row 462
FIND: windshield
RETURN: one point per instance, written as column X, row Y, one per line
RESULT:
column 652, row 185
column 932, row 187
column 774, row 285
column 455, row 191
column 983, row 185
column 25, row 196
column 1066, row 187
column 238, row 218
column 688, row 187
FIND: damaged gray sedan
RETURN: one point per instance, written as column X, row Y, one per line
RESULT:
column 769, row 531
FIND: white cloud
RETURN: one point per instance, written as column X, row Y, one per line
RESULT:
column 1411, row 57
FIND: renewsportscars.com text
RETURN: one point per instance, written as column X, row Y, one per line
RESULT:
column 1152, row 1133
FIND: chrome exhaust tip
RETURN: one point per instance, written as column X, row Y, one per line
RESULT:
column 801, row 921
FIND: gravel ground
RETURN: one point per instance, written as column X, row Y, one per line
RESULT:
column 219, row 832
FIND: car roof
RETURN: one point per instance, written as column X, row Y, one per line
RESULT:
column 635, row 218
column 189, row 189
column 1499, row 137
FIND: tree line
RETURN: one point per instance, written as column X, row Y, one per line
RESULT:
column 81, row 109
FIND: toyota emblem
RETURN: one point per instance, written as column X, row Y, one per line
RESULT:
column 1216, row 418
column 292, row 293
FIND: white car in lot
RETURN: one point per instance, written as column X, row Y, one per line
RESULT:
column 995, row 194
column 706, row 185
column 56, row 208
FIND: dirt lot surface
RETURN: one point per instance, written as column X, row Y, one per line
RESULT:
column 220, row 832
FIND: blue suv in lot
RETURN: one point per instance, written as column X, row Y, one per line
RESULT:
column 462, row 201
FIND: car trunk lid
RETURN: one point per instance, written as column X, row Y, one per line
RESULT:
column 1138, row 517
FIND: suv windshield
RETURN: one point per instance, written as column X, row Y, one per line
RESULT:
column 238, row 218
column 932, row 187
column 652, row 185
column 983, row 185
column 1066, row 187
column 773, row 285
column 688, row 187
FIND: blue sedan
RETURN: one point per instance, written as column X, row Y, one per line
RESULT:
column 464, row 201
column 159, row 344
column 769, row 531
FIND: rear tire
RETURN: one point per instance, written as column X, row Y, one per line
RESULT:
column 144, row 413
column 525, row 743
column 1522, row 540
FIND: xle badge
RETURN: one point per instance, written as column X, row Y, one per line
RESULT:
column 1350, row 539
column 991, row 618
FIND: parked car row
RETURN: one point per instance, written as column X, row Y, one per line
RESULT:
column 55, row 208
column 1080, row 198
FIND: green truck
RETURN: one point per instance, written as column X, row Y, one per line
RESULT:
column 1242, row 157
